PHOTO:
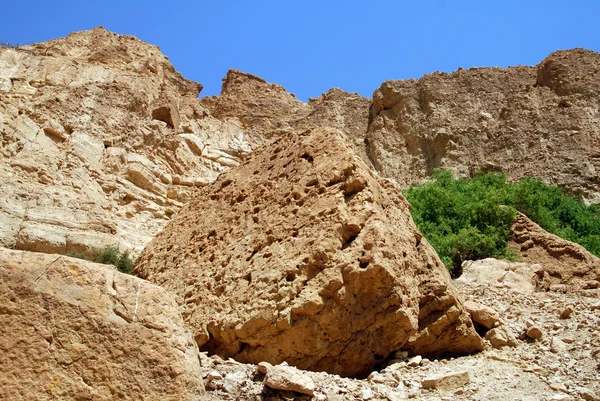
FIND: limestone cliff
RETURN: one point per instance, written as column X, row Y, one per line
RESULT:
column 101, row 142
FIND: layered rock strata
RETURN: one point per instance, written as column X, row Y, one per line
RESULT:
column 76, row 330
column 101, row 142
column 302, row 254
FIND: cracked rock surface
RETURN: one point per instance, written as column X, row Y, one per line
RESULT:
column 76, row 330
column 302, row 254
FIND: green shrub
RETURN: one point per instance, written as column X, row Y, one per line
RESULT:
column 470, row 218
column 110, row 255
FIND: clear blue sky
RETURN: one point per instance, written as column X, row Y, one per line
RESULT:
column 310, row 46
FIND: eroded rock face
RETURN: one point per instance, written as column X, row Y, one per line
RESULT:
column 266, row 110
column 303, row 255
column 524, row 121
column 565, row 265
column 76, row 330
column 101, row 141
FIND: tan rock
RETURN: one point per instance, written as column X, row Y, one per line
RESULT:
column 303, row 255
column 282, row 377
column 534, row 332
column 501, row 336
column 447, row 381
column 72, row 330
column 566, row 312
column 482, row 314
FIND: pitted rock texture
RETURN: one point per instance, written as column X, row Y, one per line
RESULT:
column 524, row 121
column 76, row 330
column 302, row 254
column 565, row 265
column 101, row 141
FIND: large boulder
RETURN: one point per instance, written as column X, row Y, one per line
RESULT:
column 76, row 330
column 302, row 254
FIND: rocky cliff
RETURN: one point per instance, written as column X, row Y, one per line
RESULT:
column 101, row 142
column 525, row 121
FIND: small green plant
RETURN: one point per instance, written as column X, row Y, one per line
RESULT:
column 110, row 255
column 470, row 218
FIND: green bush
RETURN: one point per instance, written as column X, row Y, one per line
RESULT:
column 110, row 255
column 470, row 218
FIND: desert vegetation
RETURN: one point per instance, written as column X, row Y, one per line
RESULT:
column 466, row 219
column 110, row 255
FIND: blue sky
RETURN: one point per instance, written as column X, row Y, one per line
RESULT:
column 311, row 46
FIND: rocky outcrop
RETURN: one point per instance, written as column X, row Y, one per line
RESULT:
column 101, row 142
column 76, row 330
column 564, row 265
column 261, row 108
column 266, row 110
column 303, row 255
column 524, row 121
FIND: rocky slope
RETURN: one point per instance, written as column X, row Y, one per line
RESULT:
column 524, row 121
column 76, row 330
column 561, row 364
column 303, row 255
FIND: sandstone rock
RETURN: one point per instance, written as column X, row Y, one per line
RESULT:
column 443, row 120
column 281, row 377
column 534, row 332
column 302, row 254
column 566, row 313
column 482, row 314
column 519, row 277
column 565, row 265
column 87, row 150
column 73, row 330
column 447, row 382
column 501, row 336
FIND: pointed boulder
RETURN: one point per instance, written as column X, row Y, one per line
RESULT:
column 303, row 255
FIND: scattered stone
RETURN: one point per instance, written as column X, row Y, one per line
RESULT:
column 534, row 332
column 558, row 387
column 415, row 361
column 447, row 381
column 288, row 378
column 482, row 314
column 566, row 313
column 501, row 336
column 214, row 375
column 367, row 394
column 402, row 355
column 263, row 367
column 587, row 394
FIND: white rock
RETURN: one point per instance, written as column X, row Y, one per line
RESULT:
column 447, row 381
column 415, row 361
column 282, row 377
